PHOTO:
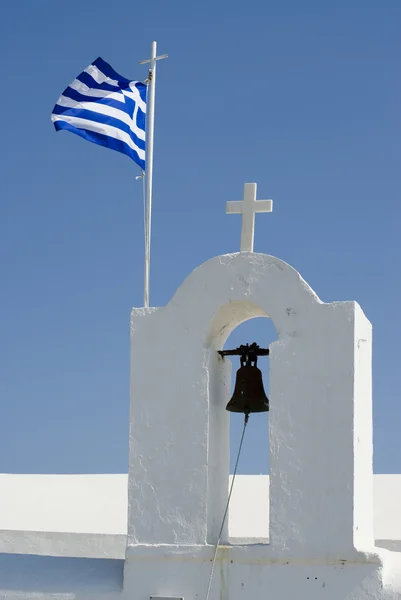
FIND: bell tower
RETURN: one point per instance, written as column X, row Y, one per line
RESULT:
column 320, row 429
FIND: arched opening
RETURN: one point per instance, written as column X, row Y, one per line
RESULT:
column 249, row 506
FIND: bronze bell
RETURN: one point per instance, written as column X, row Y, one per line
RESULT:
column 249, row 395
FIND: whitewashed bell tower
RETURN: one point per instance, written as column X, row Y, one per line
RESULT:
column 321, row 484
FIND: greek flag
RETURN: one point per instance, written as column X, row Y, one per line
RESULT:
column 105, row 108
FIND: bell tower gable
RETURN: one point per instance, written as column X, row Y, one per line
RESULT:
column 179, row 433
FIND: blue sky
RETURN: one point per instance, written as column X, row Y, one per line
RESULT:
column 301, row 97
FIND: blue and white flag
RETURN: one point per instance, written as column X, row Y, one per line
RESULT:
column 106, row 109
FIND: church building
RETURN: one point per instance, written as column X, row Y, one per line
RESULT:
column 327, row 528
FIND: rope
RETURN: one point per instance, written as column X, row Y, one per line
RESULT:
column 142, row 176
column 144, row 211
column 226, row 509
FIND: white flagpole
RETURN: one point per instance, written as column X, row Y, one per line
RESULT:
column 150, row 121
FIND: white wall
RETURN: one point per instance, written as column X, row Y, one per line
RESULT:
column 64, row 503
column 387, row 507
column 34, row 505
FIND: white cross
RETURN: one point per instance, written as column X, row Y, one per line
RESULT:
column 248, row 207
column 154, row 57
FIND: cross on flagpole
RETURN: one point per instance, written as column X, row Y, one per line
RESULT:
column 248, row 207
column 150, row 121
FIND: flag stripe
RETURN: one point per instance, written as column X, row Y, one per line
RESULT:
column 83, row 89
column 64, row 103
column 137, row 119
column 101, row 140
column 107, row 100
column 100, row 77
column 105, row 108
column 97, row 117
column 92, row 84
column 108, row 70
column 103, row 129
column 86, row 92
